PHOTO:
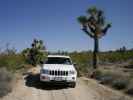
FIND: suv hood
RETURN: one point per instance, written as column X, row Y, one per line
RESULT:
column 58, row 67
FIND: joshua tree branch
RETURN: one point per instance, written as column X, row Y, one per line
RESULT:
column 91, row 28
column 87, row 32
column 84, row 27
column 104, row 31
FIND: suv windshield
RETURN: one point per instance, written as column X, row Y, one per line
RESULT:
column 57, row 60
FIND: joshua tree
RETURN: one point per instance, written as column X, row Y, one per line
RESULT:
column 94, row 26
column 36, row 53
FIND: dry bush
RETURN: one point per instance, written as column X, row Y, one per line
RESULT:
column 112, row 78
column 130, row 88
column 105, row 77
column 6, row 79
column 120, row 83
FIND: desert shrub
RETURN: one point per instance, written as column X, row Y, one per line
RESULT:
column 131, row 63
column 120, row 83
column 130, row 88
column 6, row 79
column 98, row 74
column 112, row 78
column 83, row 62
column 104, row 57
column 12, row 62
column 84, row 59
column 105, row 77
column 115, row 56
column 82, row 70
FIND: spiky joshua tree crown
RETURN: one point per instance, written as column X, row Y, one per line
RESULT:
column 94, row 23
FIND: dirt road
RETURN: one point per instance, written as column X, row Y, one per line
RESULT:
column 29, row 88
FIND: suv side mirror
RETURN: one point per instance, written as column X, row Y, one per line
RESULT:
column 74, row 64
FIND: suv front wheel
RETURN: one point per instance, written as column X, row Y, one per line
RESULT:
column 73, row 85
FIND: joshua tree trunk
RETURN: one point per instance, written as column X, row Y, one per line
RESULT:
column 95, row 53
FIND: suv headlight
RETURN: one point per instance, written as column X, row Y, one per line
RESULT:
column 72, row 72
column 44, row 71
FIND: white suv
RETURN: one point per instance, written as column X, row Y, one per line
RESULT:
column 59, row 69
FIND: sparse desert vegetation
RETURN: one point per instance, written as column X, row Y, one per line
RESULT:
column 115, row 68
column 96, row 34
column 10, row 63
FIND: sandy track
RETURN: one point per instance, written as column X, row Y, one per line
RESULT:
column 29, row 88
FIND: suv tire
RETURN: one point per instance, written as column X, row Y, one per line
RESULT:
column 73, row 85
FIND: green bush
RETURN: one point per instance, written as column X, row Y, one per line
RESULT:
column 6, row 79
column 82, row 70
column 36, row 53
column 12, row 62
column 85, row 58
column 131, row 63
column 83, row 62
column 120, row 83
column 98, row 74
column 115, row 56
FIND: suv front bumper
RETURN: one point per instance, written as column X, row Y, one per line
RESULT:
column 57, row 79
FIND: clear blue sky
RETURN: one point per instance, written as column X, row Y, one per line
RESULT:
column 54, row 21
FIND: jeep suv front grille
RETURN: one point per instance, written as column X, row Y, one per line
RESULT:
column 58, row 73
